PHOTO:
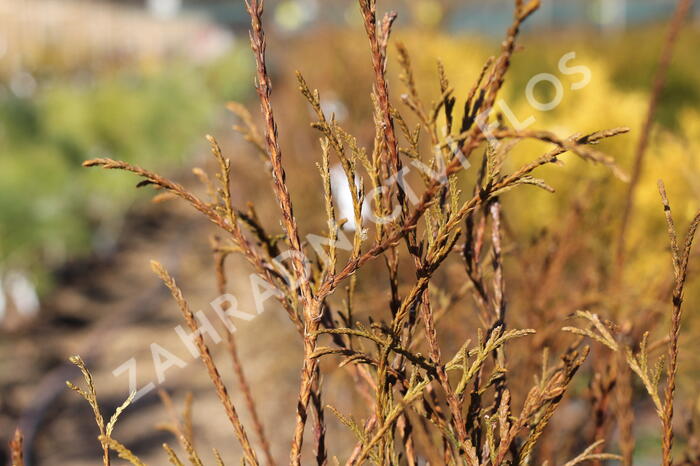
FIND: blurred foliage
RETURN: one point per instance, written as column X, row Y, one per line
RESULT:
column 622, row 72
column 52, row 209
column 617, row 95
column 612, row 98
column 622, row 68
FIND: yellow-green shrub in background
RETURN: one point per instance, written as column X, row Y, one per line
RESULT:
column 611, row 99
column 149, row 117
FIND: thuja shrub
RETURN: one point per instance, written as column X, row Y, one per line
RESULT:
column 477, row 403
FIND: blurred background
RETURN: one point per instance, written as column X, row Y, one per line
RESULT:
column 144, row 80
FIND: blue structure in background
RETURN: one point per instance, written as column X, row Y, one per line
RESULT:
column 495, row 15
column 486, row 16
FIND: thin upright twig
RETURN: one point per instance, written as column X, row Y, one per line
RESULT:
column 208, row 361
column 311, row 306
column 219, row 259
column 16, row 453
column 680, row 267
column 676, row 22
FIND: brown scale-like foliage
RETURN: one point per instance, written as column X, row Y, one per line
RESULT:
column 425, row 401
